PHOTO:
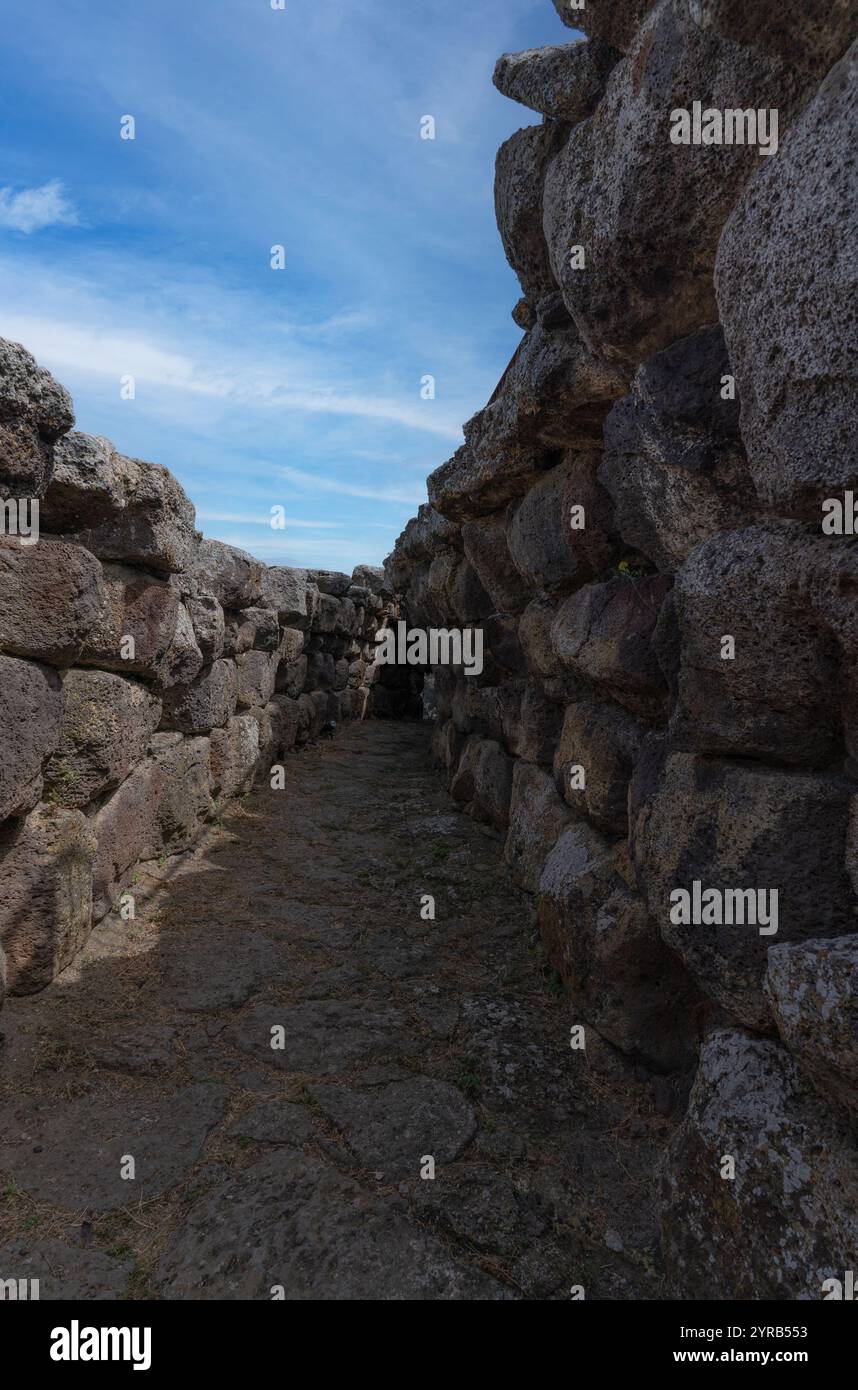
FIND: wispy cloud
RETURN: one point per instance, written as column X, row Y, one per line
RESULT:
column 239, row 519
column 319, row 483
column 243, row 379
column 299, row 387
column 31, row 209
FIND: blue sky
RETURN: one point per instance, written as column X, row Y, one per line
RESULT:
column 299, row 387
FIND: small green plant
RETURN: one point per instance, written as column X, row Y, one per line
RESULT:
column 468, row 1080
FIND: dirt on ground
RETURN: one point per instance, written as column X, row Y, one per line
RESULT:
column 245, row 1090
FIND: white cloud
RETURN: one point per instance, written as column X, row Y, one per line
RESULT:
column 34, row 208
column 238, row 519
column 317, row 483
column 228, row 375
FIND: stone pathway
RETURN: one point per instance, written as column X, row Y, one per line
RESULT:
column 296, row 1168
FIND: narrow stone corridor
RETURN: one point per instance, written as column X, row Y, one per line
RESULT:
column 236, row 1093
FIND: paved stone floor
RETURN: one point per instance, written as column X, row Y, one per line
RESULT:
column 278, row 1043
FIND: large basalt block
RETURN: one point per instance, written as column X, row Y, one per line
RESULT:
column 209, row 625
column 289, row 720
column 606, row 947
column 615, row 187
column 594, row 760
column 674, row 464
column 183, row 659
column 810, row 37
column 119, row 508
column 799, row 391
column 813, row 988
column 787, row 1220
column 35, row 411
column 126, row 830
column 537, row 726
column 288, row 593
column 561, row 81
column 604, row 632
column 135, row 605
column 233, row 576
column 519, row 176
column 777, row 692
column 234, row 755
column 487, row 551
column 206, row 703
column 537, row 817
column 553, row 395
column 52, row 596
column 553, row 544
column 482, row 778
column 369, row 577
column 747, row 829
column 615, row 21
column 291, row 677
column 257, row 672
column 106, row 726
column 31, row 712
column 46, row 866
column 185, row 803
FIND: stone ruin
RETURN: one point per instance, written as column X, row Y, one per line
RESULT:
column 147, row 676
column 663, row 732
column 637, row 521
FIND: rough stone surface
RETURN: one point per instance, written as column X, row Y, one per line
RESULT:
column 536, row 818
column 106, row 726
column 31, row 712
column 135, row 605
column 619, row 173
column 72, row 1155
column 793, row 1194
column 607, row 948
column 314, row 1232
column 605, row 633
column 674, row 463
column 392, row 1128
column 563, row 82
column 119, row 508
column 234, row 754
column 812, row 988
column 46, row 866
column 233, row 576
column 616, row 21
column 799, row 396
column 66, row 1272
column 740, row 826
column 51, row 597
column 206, row 703
column 35, row 411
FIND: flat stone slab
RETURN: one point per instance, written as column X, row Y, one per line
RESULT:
column 391, row 1129
column 275, row 1122
column 480, row 1207
column 312, row 1231
column 323, row 1037
column 139, row 1051
column 64, row 1271
column 205, row 970
column 72, row 1155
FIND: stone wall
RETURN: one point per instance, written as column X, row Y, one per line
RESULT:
column 147, row 675
column 635, row 523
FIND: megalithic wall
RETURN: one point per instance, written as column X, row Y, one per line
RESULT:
column 653, row 522
column 147, row 675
